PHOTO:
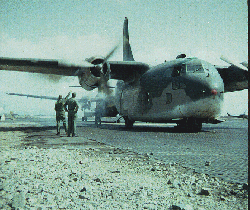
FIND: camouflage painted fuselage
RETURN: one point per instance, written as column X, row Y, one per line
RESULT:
column 182, row 88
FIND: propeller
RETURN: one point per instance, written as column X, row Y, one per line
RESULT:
column 111, row 52
column 102, row 66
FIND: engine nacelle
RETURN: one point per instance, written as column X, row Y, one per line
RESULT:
column 87, row 80
column 91, row 78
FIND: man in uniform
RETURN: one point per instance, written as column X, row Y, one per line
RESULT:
column 71, row 107
column 60, row 113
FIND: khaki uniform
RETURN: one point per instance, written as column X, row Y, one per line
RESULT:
column 72, row 107
column 60, row 115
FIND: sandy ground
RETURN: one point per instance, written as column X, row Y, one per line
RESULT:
column 103, row 177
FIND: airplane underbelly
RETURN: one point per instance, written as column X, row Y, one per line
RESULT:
column 174, row 104
column 202, row 108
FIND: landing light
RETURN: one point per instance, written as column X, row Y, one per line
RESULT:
column 214, row 92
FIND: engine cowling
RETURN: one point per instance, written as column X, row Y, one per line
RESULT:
column 93, row 77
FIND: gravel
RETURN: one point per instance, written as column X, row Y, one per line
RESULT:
column 104, row 177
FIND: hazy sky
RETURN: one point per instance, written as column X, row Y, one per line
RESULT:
column 74, row 30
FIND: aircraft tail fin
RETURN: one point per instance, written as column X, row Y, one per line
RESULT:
column 127, row 52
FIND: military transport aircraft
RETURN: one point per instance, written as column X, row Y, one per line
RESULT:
column 242, row 116
column 103, row 107
column 84, row 101
column 187, row 91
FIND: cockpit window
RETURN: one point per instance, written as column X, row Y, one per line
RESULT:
column 178, row 70
column 195, row 66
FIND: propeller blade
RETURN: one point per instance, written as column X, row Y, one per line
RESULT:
column 82, row 64
column 111, row 52
column 100, row 69
column 103, row 86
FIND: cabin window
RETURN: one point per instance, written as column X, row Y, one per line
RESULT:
column 168, row 98
column 176, row 71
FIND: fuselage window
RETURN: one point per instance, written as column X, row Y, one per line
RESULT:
column 176, row 71
column 168, row 98
column 179, row 70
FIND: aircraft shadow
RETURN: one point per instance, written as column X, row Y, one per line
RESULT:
column 139, row 128
column 28, row 129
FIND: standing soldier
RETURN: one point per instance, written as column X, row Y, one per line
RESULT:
column 71, row 107
column 60, row 113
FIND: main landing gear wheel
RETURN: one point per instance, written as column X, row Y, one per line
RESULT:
column 98, row 120
column 84, row 119
column 191, row 125
column 128, row 123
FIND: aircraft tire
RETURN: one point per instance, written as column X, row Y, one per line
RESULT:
column 84, row 119
column 98, row 120
column 128, row 123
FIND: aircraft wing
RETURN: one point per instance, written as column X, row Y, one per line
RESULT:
column 34, row 96
column 235, row 78
column 121, row 70
column 42, row 66
column 126, row 70
column 82, row 101
column 244, row 63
